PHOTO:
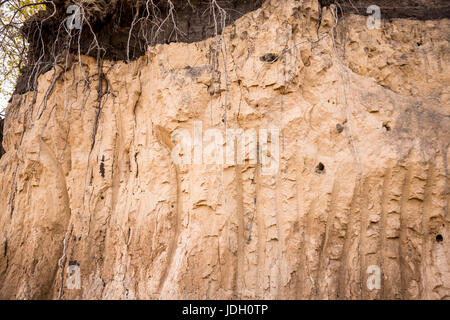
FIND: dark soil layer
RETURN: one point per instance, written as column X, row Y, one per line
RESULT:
column 393, row 9
column 110, row 21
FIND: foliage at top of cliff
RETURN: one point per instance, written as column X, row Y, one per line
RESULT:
column 13, row 45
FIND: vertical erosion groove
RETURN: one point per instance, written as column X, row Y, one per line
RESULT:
column 2, row 151
column 241, row 233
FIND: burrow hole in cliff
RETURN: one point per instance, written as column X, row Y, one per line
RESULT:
column 439, row 238
column 320, row 168
column 121, row 29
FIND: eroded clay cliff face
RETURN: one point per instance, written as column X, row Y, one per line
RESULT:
column 362, row 180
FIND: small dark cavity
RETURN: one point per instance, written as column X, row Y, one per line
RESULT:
column 269, row 58
column 386, row 126
column 73, row 263
column 339, row 128
column 439, row 238
column 320, row 168
column 102, row 167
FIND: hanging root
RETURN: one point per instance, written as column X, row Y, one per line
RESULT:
column 123, row 29
column 61, row 263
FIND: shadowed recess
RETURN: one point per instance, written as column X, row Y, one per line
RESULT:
column 122, row 29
